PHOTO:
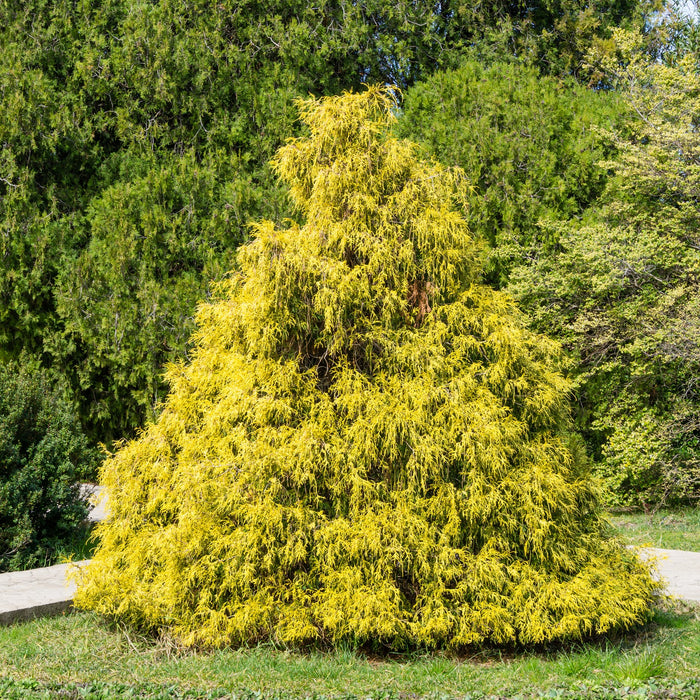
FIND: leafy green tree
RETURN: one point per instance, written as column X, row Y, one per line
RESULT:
column 552, row 35
column 100, row 97
column 367, row 445
column 622, row 291
column 45, row 161
column 127, row 299
column 530, row 146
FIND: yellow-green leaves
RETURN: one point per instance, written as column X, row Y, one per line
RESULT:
column 621, row 292
column 367, row 446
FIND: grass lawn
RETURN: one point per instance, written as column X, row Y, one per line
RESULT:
column 677, row 529
column 78, row 656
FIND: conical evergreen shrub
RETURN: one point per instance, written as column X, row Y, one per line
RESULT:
column 367, row 446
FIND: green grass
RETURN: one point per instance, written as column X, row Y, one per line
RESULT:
column 668, row 529
column 80, row 546
column 79, row 652
column 79, row 656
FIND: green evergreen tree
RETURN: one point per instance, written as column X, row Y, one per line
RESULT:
column 367, row 445
column 621, row 291
column 43, row 457
column 111, row 109
column 529, row 144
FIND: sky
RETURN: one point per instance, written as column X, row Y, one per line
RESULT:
column 690, row 7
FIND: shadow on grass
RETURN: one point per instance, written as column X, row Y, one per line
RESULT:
column 660, row 660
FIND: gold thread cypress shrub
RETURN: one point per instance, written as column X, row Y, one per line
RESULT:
column 367, row 445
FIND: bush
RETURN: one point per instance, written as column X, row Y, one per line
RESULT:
column 367, row 446
column 530, row 146
column 43, row 455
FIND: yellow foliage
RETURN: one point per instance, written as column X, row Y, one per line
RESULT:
column 367, row 445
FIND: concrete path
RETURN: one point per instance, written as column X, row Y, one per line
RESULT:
column 35, row 593
column 681, row 570
column 98, row 506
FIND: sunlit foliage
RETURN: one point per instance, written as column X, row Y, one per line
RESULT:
column 133, row 128
column 367, row 445
column 529, row 144
column 622, row 290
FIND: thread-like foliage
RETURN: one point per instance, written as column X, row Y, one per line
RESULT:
column 367, row 445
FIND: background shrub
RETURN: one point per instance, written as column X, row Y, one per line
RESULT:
column 43, row 456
